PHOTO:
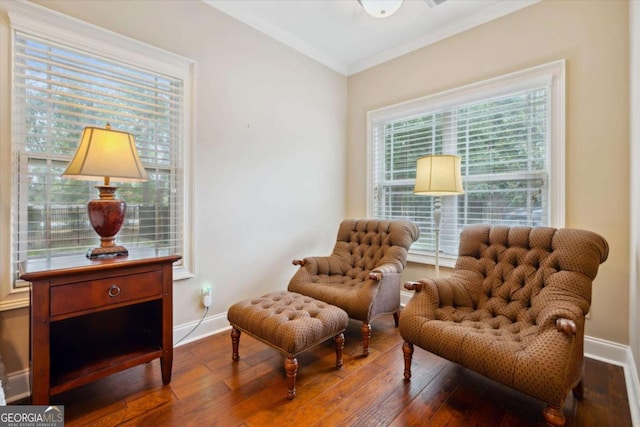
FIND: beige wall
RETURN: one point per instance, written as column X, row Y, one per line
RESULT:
column 593, row 38
column 269, row 153
column 14, row 336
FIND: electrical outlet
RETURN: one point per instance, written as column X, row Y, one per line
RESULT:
column 206, row 296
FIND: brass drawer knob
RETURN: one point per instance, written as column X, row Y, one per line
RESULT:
column 114, row 291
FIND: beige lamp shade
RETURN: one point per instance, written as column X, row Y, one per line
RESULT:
column 438, row 175
column 105, row 154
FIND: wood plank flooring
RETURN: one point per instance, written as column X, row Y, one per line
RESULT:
column 209, row 389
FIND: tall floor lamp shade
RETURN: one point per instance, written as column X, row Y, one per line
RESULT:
column 438, row 175
column 106, row 155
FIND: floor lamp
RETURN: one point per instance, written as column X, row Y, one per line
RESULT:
column 438, row 175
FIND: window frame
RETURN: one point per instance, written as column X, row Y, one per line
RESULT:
column 551, row 74
column 42, row 22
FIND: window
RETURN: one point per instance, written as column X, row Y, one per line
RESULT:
column 508, row 133
column 58, row 89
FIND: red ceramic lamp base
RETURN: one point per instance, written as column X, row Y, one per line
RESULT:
column 107, row 216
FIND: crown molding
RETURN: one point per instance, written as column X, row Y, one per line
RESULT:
column 431, row 37
column 238, row 11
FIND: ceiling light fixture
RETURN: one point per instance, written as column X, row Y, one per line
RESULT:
column 380, row 8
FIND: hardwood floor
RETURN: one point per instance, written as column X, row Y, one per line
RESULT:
column 209, row 389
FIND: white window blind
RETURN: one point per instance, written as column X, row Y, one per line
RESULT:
column 503, row 134
column 57, row 91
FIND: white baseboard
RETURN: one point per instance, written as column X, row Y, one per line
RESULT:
column 621, row 355
column 210, row 325
column 18, row 384
column 605, row 351
column 405, row 296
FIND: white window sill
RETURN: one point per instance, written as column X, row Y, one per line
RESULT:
column 430, row 259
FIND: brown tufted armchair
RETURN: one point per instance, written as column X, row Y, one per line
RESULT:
column 513, row 309
column 362, row 275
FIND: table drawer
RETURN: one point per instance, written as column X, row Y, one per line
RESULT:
column 87, row 295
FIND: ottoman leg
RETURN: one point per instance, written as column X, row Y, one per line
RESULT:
column 291, row 367
column 235, row 341
column 339, row 347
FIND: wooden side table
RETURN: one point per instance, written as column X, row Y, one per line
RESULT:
column 93, row 318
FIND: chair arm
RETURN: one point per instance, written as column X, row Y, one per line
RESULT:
column 566, row 326
column 375, row 275
column 424, row 301
column 445, row 291
column 561, row 317
column 382, row 269
column 320, row 265
column 413, row 286
column 310, row 265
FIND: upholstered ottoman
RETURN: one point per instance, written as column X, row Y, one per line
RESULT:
column 291, row 323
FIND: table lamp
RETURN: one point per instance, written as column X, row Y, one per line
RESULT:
column 438, row 175
column 106, row 154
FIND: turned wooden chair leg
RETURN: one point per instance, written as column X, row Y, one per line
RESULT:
column 407, row 349
column 339, row 339
column 578, row 390
column 291, row 368
column 235, row 341
column 396, row 319
column 366, row 337
column 553, row 415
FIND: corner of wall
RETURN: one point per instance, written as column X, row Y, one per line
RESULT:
column 633, row 388
column 634, row 261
